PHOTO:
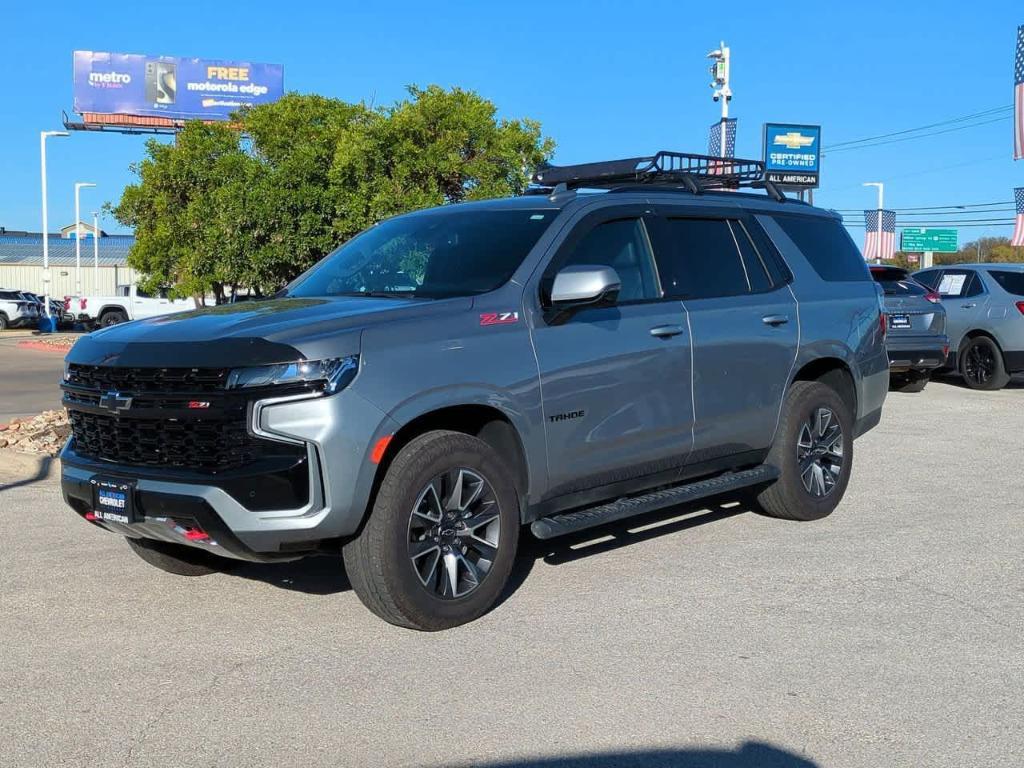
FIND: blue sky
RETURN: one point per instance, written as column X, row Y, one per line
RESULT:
column 606, row 79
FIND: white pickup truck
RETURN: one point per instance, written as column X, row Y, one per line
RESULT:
column 132, row 304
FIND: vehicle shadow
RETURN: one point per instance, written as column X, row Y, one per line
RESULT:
column 40, row 473
column 749, row 755
column 954, row 380
column 325, row 574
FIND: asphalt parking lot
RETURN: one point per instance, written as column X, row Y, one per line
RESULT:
column 886, row 635
column 29, row 378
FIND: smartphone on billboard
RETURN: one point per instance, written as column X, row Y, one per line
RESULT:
column 161, row 82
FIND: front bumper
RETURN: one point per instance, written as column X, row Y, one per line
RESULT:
column 919, row 353
column 337, row 432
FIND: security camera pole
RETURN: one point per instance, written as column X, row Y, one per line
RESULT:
column 720, row 87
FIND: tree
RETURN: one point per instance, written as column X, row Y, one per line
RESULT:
column 256, row 202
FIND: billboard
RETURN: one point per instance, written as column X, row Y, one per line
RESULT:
column 792, row 154
column 175, row 88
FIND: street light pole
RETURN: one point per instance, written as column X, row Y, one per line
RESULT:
column 881, row 205
column 721, row 91
column 95, row 251
column 78, row 234
column 43, row 136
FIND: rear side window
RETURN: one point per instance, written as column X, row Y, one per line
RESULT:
column 929, row 278
column 827, row 247
column 1011, row 282
column 702, row 261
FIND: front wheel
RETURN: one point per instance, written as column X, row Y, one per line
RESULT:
column 813, row 451
column 981, row 364
column 440, row 541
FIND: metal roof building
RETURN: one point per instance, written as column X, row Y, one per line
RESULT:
column 21, row 264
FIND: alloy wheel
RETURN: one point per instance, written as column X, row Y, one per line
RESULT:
column 820, row 452
column 979, row 364
column 454, row 532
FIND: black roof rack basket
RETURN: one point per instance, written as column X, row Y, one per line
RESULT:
column 693, row 172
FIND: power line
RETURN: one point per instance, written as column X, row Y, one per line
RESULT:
column 934, row 207
column 939, row 124
column 959, row 225
column 918, row 136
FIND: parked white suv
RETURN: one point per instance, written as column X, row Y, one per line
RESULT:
column 16, row 310
column 132, row 304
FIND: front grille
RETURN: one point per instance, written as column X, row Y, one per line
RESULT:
column 181, row 418
column 193, row 444
column 136, row 380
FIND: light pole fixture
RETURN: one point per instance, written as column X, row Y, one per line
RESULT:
column 78, row 234
column 43, row 136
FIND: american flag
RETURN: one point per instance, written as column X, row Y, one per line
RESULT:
column 1018, row 230
column 1018, row 98
column 879, row 245
column 715, row 138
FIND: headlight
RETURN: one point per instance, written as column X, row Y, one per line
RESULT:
column 336, row 373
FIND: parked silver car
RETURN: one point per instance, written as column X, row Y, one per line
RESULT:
column 916, row 339
column 984, row 319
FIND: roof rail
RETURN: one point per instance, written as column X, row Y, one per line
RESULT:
column 695, row 173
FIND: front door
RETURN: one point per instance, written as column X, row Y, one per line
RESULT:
column 615, row 380
column 744, row 330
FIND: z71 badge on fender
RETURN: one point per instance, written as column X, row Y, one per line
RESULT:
column 498, row 318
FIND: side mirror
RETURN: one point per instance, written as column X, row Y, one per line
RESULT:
column 585, row 285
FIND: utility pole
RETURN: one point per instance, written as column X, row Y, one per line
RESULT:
column 96, row 251
column 78, row 234
column 721, row 92
column 43, row 136
column 881, row 205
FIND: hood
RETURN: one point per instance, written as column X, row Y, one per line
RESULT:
column 250, row 333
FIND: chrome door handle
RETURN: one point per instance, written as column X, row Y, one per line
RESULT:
column 968, row 306
column 666, row 331
column 774, row 320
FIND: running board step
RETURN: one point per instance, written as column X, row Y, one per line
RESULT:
column 581, row 519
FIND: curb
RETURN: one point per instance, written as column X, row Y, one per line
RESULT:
column 44, row 346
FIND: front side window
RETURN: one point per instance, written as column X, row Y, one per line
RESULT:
column 702, row 260
column 445, row 253
column 621, row 245
column 961, row 283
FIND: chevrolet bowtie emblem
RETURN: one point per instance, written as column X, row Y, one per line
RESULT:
column 115, row 401
column 793, row 140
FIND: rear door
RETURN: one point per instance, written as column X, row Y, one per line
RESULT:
column 743, row 322
column 615, row 380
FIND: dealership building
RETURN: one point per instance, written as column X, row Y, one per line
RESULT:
column 21, row 262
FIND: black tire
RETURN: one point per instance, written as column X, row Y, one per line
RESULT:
column 178, row 559
column 981, row 364
column 911, row 381
column 114, row 317
column 379, row 561
column 788, row 497
column 3, row 322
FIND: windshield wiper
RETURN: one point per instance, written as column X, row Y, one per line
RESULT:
column 380, row 294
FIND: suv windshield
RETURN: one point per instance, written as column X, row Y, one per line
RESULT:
column 436, row 255
column 1011, row 282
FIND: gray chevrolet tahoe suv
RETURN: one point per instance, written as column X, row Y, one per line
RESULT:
column 559, row 360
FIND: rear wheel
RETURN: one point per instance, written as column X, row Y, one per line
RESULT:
column 981, row 364
column 113, row 318
column 439, row 544
column 177, row 559
column 813, row 451
column 911, row 381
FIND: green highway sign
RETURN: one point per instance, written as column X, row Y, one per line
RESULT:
column 935, row 240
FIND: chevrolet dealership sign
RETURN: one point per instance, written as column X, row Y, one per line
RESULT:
column 792, row 154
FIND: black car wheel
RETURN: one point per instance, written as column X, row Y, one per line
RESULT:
column 981, row 364
column 813, row 451
column 441, row 539
column 113, row 318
